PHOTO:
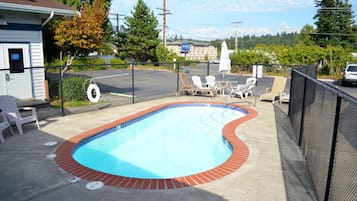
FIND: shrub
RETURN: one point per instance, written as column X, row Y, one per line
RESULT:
column 72, row 88
column 88, row 63
column 117, row 63
column 80, row 64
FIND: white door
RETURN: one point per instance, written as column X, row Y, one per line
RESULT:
column 15, row 75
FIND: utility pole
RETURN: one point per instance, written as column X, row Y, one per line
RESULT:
column 236, row 35
column 164, row 13
column 117, row 17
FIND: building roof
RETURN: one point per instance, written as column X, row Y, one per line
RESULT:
column 37, row 6
column 194, row 43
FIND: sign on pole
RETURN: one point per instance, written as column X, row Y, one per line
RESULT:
column 257, row 71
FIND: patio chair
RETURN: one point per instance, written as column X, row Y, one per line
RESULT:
column 211, row 81
column 200, row 88
column 284, row 98
column 244, row 89
column 12, row 113
column 276, row 91
column 4, row 125
column 186, row 86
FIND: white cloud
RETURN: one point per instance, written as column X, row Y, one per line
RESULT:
column 191, row 16
column 219, row 6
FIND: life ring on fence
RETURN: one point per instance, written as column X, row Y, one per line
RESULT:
column 96, row 94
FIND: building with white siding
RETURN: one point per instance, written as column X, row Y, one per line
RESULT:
column 21, row 48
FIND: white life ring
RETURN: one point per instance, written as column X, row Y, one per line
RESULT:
column 90, row 89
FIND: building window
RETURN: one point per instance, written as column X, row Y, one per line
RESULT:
column 16, row 60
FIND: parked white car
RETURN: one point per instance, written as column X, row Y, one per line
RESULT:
column 349, row 75
column 214, row 62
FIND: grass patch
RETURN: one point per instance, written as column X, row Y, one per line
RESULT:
column 152, row 67
column 57, row 103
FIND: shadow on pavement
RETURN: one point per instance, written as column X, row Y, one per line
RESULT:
column 27, row 174
column 298, row 184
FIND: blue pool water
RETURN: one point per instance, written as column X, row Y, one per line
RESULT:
column 173, row 142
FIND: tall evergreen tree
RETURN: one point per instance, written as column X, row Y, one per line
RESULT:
column 334, row 21
column 139, row 38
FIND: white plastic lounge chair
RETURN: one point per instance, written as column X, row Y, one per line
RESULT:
column 199, row 88
column 4, row 125
column 12, row 113
column 244, row 89
column 276, row 91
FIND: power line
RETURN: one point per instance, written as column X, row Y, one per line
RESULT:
column 333, row 34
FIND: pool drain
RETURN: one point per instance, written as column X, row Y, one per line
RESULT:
column 51, row 156
column 95, row 185
column 73, row 179
column 50, row 143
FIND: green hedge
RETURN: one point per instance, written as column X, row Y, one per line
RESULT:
column 72, row 89
column 84, row 63
column 80, row 64
column 117, row 63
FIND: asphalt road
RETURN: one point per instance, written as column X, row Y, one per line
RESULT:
column 351, row 90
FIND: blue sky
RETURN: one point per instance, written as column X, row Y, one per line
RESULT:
column 212, row 19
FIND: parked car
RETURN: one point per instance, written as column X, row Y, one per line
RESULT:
column 349, row 75
column 214, row 62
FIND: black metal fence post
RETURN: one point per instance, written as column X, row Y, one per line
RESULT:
column 292, row 75
column 132, row 82
column 178, row 79
column 333, row 148
column 61, row 90
column 208, row 66
column 302, row 113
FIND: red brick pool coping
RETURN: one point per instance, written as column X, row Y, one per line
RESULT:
column 236, row 160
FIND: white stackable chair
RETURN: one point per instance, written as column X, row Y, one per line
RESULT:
column 12, row 113
column 244, row 89
column 4, row 125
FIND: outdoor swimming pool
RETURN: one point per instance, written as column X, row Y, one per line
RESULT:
column 172, row 142
column 223, row 154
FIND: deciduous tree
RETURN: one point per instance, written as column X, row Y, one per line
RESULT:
column 305, row 36
column 84, row 33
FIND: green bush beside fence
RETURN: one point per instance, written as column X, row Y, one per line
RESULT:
column 72, row 88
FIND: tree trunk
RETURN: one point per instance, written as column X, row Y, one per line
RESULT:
column 68, row 63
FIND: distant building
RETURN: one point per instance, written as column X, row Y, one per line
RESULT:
column 198, row 51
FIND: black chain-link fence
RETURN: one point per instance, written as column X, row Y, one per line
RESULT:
column 324, row 120
column 122, row 84
column 136, row 82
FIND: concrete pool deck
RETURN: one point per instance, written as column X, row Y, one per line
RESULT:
column 275, row 169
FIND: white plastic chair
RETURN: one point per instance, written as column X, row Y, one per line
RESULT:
column 200, row 88
column 211, row 81
column 12, row 113
column 251, row 84
column 4, row 125
column 244, row 89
